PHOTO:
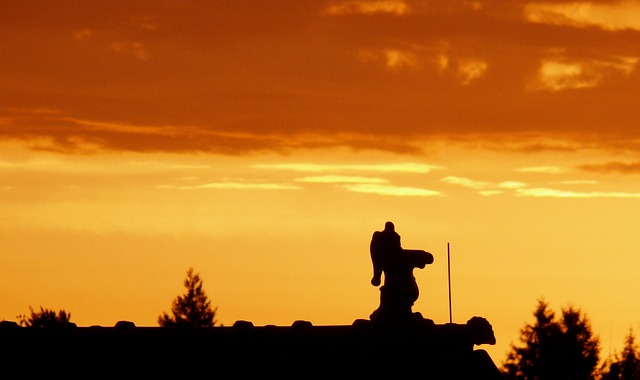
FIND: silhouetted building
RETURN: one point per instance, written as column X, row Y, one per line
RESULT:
column 302, row 350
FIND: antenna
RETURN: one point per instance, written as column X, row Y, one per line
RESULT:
column 449, row 279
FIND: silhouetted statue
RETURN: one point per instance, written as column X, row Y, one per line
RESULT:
column 400, row 289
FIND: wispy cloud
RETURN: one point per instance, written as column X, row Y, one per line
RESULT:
column 578, row 182
column 541, row 169
column 463, row 70
column 396, row 59
column 511, row 185
column 233, row 186
column 619, row 167
column 56, row 132
column 82, row 34
column 408, row 167
column 362, row 184
column 612, row 16
column 466, row 182
column 396, row 7
column 541, row 192
column 134, row 48
column 562, row 74
column 484, row 188
column 341, row 179
column 171, row 166
column 471, row 69
column 396, row 191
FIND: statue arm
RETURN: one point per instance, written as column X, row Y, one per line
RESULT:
column 426, row 258
column 419, row 258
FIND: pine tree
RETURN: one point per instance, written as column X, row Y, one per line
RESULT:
column 191, row 309
column 554, row 349
column 625, row 366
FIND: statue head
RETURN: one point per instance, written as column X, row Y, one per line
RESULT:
column 388, row 226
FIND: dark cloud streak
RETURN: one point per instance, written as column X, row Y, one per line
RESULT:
column 613, row 167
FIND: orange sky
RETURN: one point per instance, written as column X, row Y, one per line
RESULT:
column 261, row 143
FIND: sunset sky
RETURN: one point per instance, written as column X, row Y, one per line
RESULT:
column 262, row 143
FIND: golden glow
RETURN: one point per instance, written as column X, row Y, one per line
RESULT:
column 262, row 235
column 262, row 143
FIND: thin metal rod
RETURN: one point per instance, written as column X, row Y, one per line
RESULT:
column 449, row 279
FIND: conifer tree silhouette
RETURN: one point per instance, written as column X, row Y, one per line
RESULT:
column 554, row 349
column 193, row 309
column 626, row 365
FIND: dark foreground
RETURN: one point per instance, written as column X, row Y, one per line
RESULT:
column 424, row 350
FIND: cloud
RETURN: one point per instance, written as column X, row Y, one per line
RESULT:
column 342, row 179
column 471, row 69
column 555, row 193
column 396, row 59
column 541, row 169
column 395, row 7
column 135, row 48
column 578, row 182
column 82, row 34
column 618, row 167
column 466, row 182
column 464, row 69
column 407, row 167
column 173, row 166
column 511, row 185
column 65, row 134
column 556, row 76
column 612, row 16
column 561, row 75
column 360, row 184
column 484, row 188
column 233, row 186
column 258, row 77
column 389, row 190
